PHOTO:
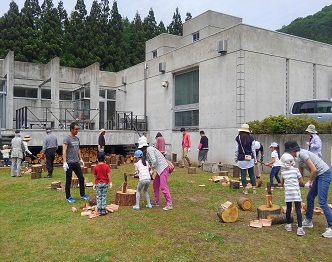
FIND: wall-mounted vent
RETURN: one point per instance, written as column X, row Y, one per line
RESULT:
column 222, row 47
column 162, row 67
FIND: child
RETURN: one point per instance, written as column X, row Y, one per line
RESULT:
column 102, row 177
column 291, row 177
column 5, row 154
column 274, row 163
column 142, row 169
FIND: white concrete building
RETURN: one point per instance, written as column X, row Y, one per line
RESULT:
column 219, row 74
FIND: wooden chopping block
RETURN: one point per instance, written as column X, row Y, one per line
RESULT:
column 125, row 199
column 263, row 211
column 35, row 175
column 191, row 170
column 234, row 184
column 245, row 203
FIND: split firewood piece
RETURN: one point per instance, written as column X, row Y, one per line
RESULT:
column 108, row 209
column 278, row 218
column 303, row 207
column 269, row 200
column 94, row 214
column 256, row 224
column 84, row 206
column 74, row 209
column 266, row 222
column 245, row 203
column 113, row 207
column 259, row 182
column 86, row 213
column 318, row 211
column 228, row 212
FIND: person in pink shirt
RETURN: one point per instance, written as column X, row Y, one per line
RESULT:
column 160, row 143
column 185, row 146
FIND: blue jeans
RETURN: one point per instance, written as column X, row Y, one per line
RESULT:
column 145, row 185
column 274, row 173
column 320, row 187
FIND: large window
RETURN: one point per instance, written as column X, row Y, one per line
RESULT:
column 65, row 95
column 187, row 99
column 25, row 92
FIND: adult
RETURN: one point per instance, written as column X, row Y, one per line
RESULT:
column 158, row 163
column 203, row 149
column 143, row 138
column 245, row 156
column 186, row 143
column 315, row 143
column 71, row 155
column 17, row 154
column 160, row 143
column 318, row 182
column 101, row 140
column 50, row 145
column 27, row 152
column 259, row 155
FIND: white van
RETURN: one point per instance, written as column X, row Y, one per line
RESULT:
column 320, row 109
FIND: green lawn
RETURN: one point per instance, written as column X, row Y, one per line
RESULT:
column 37, row 224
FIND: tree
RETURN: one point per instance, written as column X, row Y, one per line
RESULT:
column 51, row 32
column 137, row 41
column 175, row 26
column 188, row 16
column 161, row 28
column 10, row 31
column 30, row 30
column 150, row 26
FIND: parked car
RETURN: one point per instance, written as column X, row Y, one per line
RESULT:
column 320, row 109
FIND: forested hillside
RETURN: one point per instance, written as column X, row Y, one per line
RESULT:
column 317, row 27
column 38, row 33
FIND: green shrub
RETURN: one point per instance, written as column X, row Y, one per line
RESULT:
column 284, row 125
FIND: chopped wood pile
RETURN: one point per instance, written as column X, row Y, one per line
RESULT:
column 91, row 211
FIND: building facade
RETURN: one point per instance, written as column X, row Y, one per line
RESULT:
column 219, row 74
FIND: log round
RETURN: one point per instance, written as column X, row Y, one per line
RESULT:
column 228, row 214
column 36, row 171
column 125, row 199
column 279, row 219
column 234, row 184
column 55, row 185
column 245, row 203
column 263, row 211
column 258, row 182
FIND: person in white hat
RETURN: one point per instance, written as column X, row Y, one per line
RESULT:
column 245, row 156
column 314, row 143
column 5, row 154
column 274, row 163
column 17, row 154
column 26, row 139
column 291, row 179
column 101, row 140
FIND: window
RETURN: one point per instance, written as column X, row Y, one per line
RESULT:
column 111, row 94
column 25, row 92
column 46, row 93
column 187, row 99
column 154, row 53
column 196, row 36
column 65, row 95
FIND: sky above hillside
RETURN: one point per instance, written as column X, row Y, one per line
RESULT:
column 268, row 14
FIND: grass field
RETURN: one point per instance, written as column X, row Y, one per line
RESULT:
column 37, row 224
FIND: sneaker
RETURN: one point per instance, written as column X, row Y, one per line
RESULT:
column 71, row 200
column 85, row 197
column 288, row 228
column 48, row 176
column 155, row 204
column 168, row 207
column 149, row 206
column 300, row 232
column 254, row 191
column 245, row 191
column 199, row 166
column 307, row 223
column 328, row 233
column 136, row 208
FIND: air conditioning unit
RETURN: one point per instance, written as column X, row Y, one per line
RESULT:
column 162, row 67
column 124, row 80
column 222, row 47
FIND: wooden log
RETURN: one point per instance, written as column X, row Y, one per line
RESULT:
column 55, row 185
column 113, row 160
column 269, row 200
column 234, row 184
column 108, row 160
column 113, row 166
column 256, row 224
column 191, row 170
column 125, row 199
column 236, row 171
column 259, row 182
column 174, row 158
column 86, row 159
column 84, row 170
column 279, row 218
column 228, row 212
column 36, row 171
column 74, row 182
column 88, row 164
column 93, row 201
column 245, row 203
column 263, row 211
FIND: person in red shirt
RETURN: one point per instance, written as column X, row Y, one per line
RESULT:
column 160, row 143
column 185, row 146
column 102, row 177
